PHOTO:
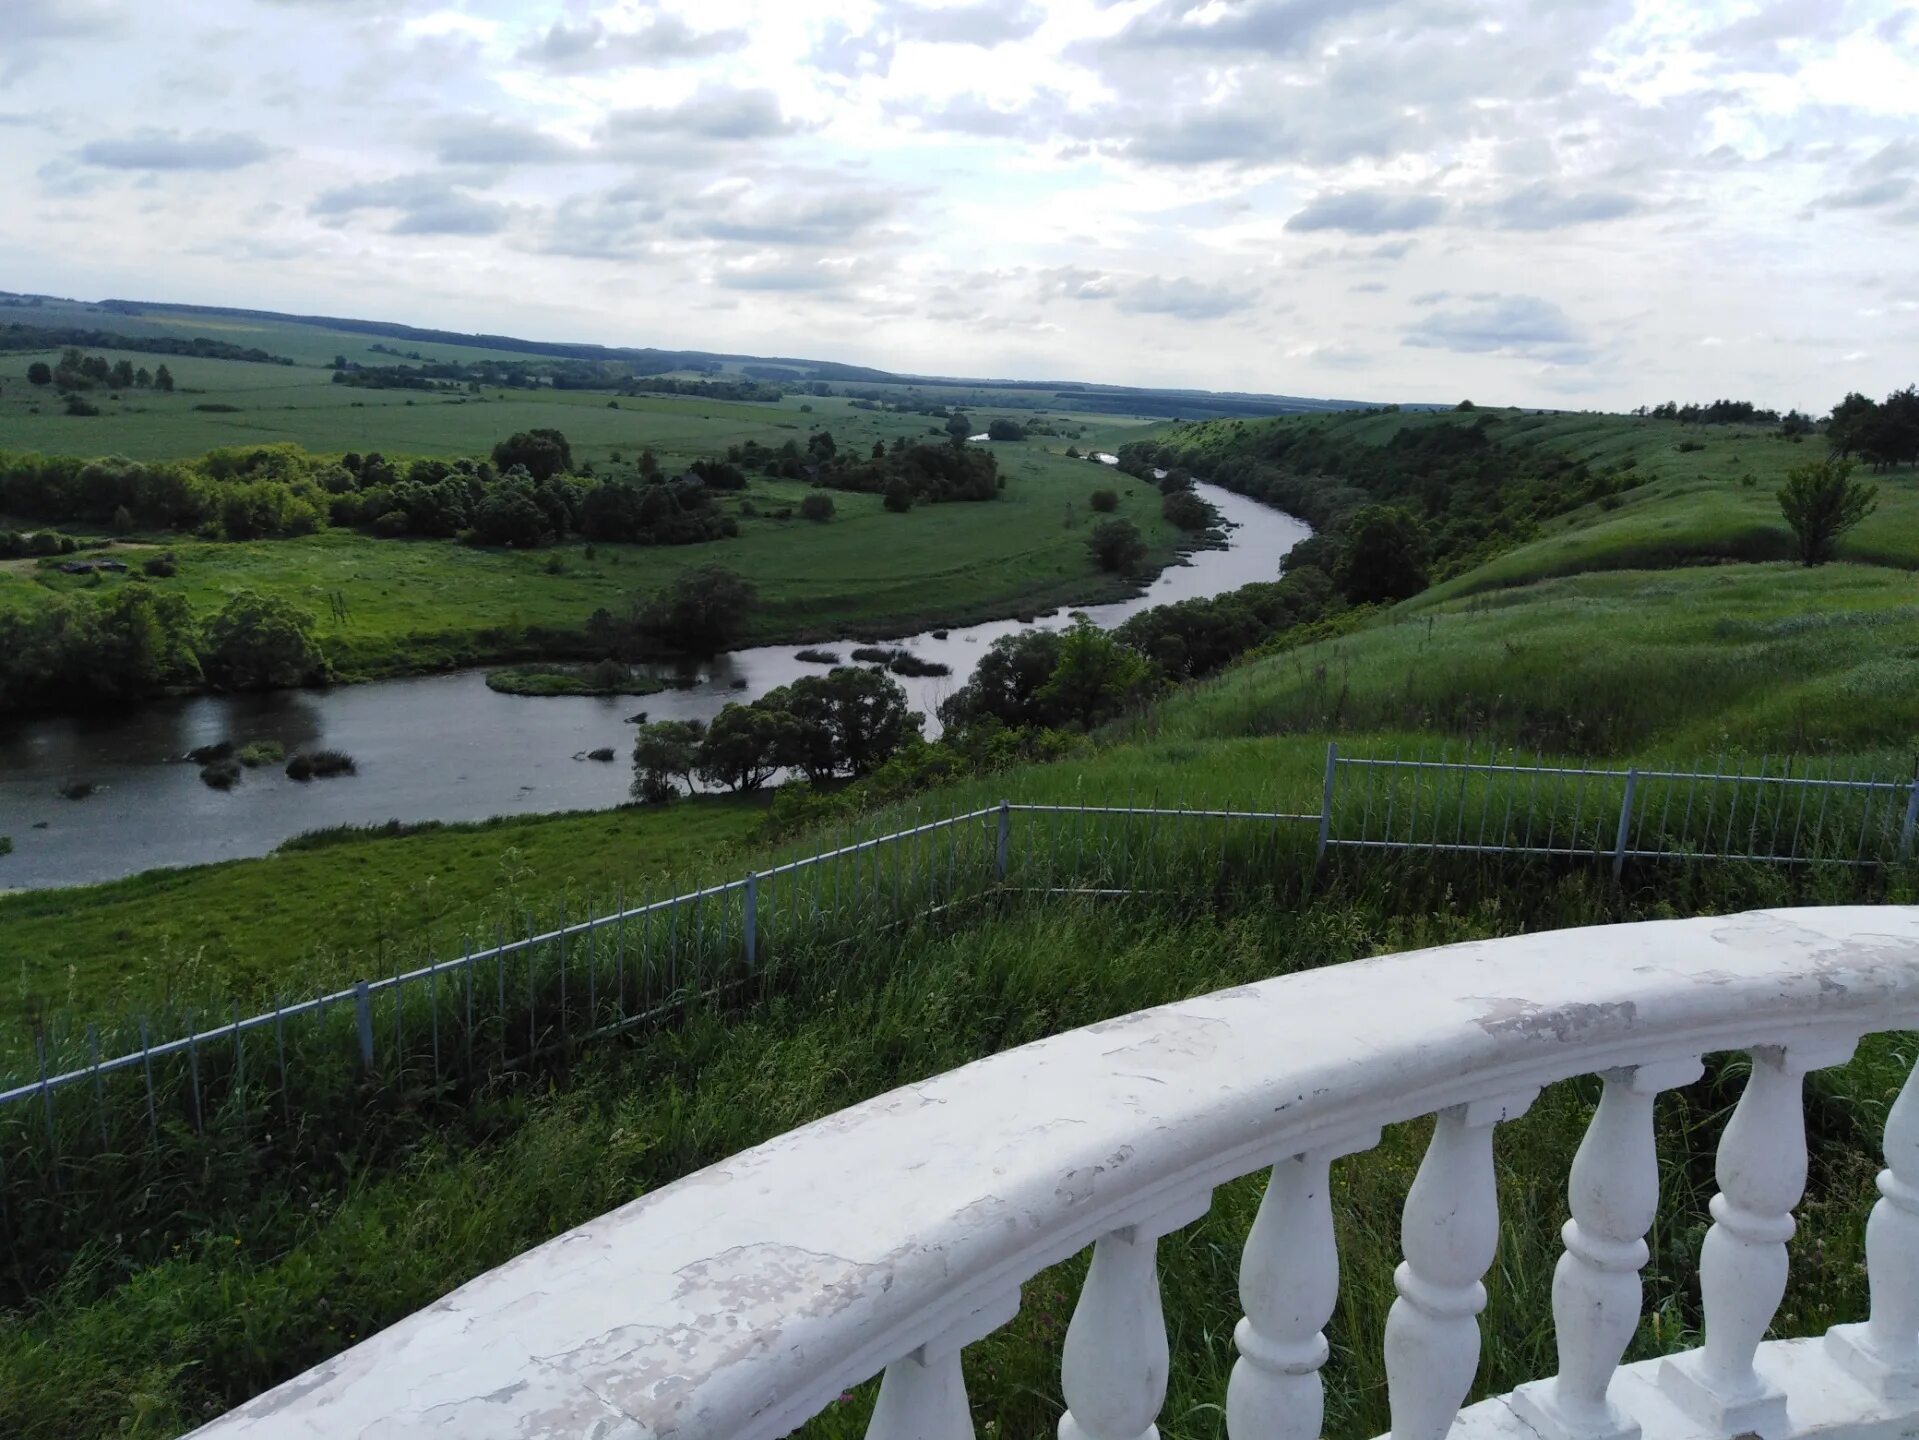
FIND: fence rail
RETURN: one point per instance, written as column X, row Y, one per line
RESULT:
column 496, row 1008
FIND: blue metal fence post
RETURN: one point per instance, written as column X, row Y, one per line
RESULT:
column 363, row 1009
column 1911, row 823
column 752, row 918
column 1625, row 824
column 1326, row 798
column 1005, row 838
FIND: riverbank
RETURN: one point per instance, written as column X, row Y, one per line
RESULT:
column 445, row 746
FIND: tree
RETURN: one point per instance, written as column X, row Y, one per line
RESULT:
column 122, row 376
column 1847, row 424
column 702, row 611
column 664, row 752
column 1006, row 682
column 541, row 453
column 1385, row 556
column 863, row 714
column 958, row 426
column 39, row 373
column 899, row 495
column 143, row 378
column 1095, row 680
column 1821, row 502
column 163, row 380
column 1117, row 545
column 1186, row 510
column 511, row 515
column 743, row 746
column 1105, row 501
column 1004, row 429
column 817, row 506
column 261, row 642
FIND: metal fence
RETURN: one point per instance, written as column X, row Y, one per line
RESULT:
column 499, row 1007
column 1772, row 812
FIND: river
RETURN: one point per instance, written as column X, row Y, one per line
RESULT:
column 439, row 747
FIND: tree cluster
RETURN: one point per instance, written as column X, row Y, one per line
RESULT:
column 76, row 650
column 1882, row 434
column 846, row 722
column 919, row 473
column 76, row 371
column 47, row 337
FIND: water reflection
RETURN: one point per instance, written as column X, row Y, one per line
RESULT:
column 439, row 746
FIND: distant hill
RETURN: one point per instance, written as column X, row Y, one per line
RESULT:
column 1084, row 396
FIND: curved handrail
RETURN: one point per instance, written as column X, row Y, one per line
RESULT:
column 741, row 1300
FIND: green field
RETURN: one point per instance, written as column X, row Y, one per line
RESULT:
column 1656, row 623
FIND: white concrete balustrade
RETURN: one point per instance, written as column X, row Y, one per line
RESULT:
column 740, row 1301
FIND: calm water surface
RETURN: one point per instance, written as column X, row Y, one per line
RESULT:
column 438, row 747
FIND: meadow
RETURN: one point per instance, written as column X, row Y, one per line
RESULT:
column 1656, row 623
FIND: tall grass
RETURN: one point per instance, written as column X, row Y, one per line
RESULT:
column 275, row 1270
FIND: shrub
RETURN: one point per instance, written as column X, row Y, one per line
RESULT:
column 262, row 752
column 6, row 844
column 76, row 405
column 1186, row 510
column 817, row 507
column 321, row 765
column 604, row 753
column 874, row 654
column 904, row 662
column 1117, row 545
column 261, row 642
column 703, row 611
column 817, row 657
column 161, row 567
column 899, row 496
column 220, row 775
column 1105, row 501
column 77, row 789
column 1003, row 429
column 1821, row 502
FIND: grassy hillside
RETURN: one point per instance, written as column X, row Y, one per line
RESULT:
column 422, row 604
column 1643, row 634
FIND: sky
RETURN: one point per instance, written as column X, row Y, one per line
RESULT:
column 1568, row 203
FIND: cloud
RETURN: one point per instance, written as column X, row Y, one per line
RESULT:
column 422, row 205
column 483, row 140
column 1368, row 287
column 781, row 277
column 1271, row 27
column 1523, row 326
column 984, row 22
column 171, row 150
column 589, row 46
column 1368, row 212
column 24, row 21
column 711, row 113
column 1545, row 206
column 1184, row 299
column 1869, row 196
column 800, row 219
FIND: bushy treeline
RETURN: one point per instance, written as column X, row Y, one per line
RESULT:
column 52, row 337
column 1469, row 497
column 1880, row 433
column 133, row 641
column 847, row 722
column 526, row 495
column 906, row 473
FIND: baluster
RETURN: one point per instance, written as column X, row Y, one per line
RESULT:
column 1289, row 1283
column 1884, row 1352
column 1449, row 1232
column 1761, row 1168
column 1113, row 1371
column 1596, row 1291
column 923, row 1396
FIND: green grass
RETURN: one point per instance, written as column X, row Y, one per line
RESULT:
column 309, row 918
column 310, row 1261
column 1682, row 663
column 426, row 604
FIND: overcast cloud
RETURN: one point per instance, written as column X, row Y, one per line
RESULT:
column 1548, row 202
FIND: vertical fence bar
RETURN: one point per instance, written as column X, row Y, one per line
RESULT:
column 1911, row 823
column 1326, row 798
column 363, row 1011
column 1004, row 841
column 751, row 919
column 1625, row 824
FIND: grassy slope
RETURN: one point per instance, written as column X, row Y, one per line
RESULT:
column 421, row 604
column 414, row 604
column 1749, row 656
